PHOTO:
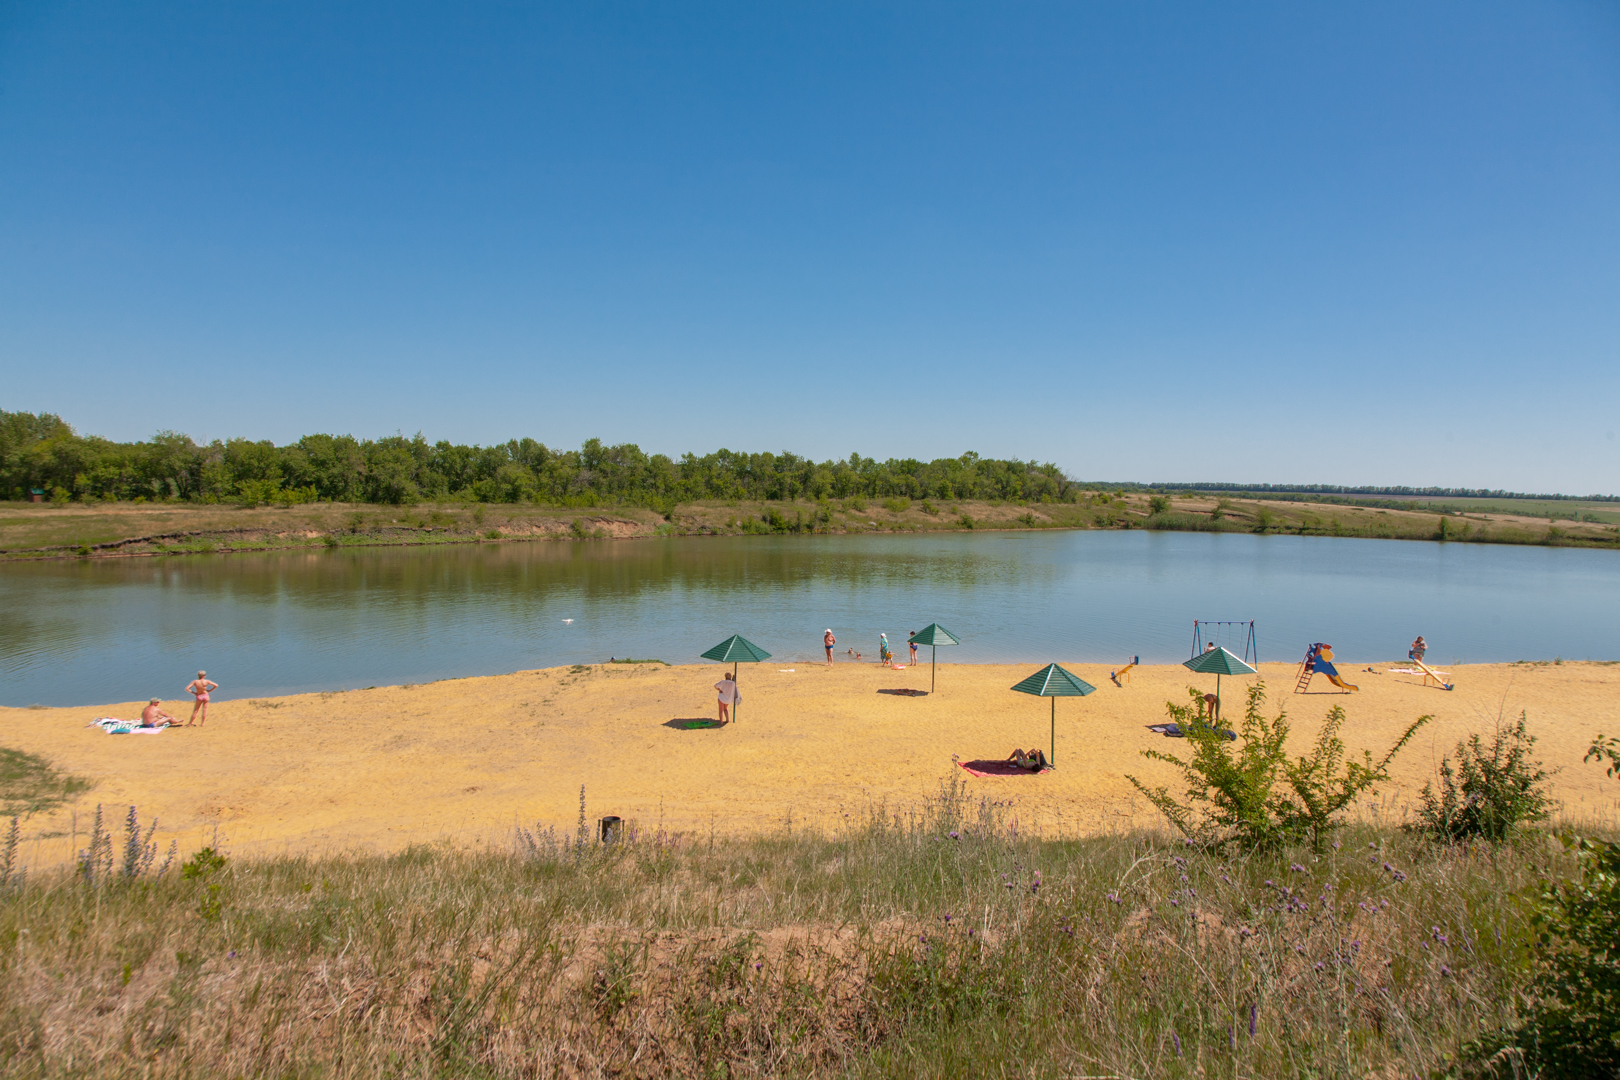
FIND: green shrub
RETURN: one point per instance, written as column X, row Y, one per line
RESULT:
column 1248, row 792
column 928, row 507
column 966, row 522
column 1490, row 793
column 1158, row 504
column 1570, row 1023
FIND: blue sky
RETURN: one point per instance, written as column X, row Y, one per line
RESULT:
column 1376, row 243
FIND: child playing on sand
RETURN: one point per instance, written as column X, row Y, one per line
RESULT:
column 200, row 688
column 729, row 696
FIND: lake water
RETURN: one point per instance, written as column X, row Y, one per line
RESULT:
column 90, row 631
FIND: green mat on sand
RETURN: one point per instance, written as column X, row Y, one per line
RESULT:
column 691, row 724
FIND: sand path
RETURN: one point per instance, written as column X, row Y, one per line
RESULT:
column 468, row 759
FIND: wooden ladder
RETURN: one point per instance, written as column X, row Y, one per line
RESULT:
column 1304, row 680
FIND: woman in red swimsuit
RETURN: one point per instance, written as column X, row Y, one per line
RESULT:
column 199, row 688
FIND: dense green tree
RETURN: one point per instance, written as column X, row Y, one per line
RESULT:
column 42, row 451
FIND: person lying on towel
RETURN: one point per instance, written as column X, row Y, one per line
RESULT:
column 1035, row 760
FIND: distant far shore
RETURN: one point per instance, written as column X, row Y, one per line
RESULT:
column 31, row 531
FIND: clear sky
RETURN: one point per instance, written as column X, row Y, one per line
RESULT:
column 1363, row 243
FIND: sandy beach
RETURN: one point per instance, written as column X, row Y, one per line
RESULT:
column 467, row 760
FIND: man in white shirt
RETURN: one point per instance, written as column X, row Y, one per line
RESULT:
column 729, row 696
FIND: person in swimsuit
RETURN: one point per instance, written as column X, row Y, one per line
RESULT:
column 827, row 642
column 199, row 688
column 152, row 715
column 729, row 696
column 1419, row 647
column 911, row 640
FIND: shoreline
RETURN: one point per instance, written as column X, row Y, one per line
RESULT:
column 466, row 761
column 38, row 532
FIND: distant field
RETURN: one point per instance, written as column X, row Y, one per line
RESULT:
column 1583, row 510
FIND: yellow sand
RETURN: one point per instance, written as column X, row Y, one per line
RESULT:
column 469, row 759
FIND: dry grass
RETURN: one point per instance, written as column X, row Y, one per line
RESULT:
column 934, row 943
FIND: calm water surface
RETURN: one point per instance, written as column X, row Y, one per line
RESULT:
column 84, row 632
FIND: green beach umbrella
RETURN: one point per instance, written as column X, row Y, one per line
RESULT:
column 934, row 635
column 1218, row 662
column 1054, row 682
column 736, row 649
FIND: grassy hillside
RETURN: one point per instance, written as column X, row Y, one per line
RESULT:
column 155, row 528
column 942, row 941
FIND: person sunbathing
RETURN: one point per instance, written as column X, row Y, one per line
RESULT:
column 1034, row 760
column 152, row 716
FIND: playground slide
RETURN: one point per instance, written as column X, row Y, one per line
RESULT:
column 1333, row 677
column 1320, row 658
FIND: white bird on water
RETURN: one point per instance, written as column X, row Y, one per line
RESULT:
column 568, row 620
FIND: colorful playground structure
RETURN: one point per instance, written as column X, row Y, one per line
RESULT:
column 1319, row 657
column 1124, row 673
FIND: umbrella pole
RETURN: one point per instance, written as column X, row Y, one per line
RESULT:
column 1052, row 757
column 933, row 661
column 736, row 705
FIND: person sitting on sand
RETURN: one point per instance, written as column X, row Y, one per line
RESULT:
column 1419, row 647
column 200, row 688
column 729, row 696
column 152, row 716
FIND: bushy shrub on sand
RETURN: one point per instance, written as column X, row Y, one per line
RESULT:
column 1249, row 792
column 1490, row 793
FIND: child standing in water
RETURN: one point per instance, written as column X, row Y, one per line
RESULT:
column 199, row 688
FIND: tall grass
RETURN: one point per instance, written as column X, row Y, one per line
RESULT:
column 944, row 941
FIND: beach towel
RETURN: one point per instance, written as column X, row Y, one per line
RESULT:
column 113, row 726
column 999, row 768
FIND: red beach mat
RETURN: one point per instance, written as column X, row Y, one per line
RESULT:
column 997, row 768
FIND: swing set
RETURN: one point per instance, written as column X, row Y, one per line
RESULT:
column 1207, row 632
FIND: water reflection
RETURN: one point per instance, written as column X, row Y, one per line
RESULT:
column 89, row 631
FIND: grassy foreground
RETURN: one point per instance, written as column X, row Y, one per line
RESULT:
column 98, row 529
column 938, row 942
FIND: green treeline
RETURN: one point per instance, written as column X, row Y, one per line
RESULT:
column 40, row 452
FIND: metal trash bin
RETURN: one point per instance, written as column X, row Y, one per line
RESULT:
column 610, row 829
